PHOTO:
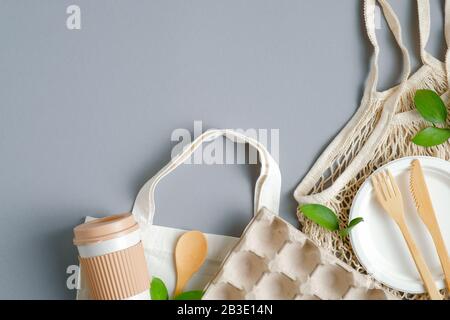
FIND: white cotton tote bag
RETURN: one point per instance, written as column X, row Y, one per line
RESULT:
column 159, row 241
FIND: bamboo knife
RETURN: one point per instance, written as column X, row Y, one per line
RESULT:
column 424, row 206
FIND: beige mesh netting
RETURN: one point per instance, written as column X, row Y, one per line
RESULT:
column 380, row 132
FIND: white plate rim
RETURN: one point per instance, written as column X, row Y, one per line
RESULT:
column 404, row 286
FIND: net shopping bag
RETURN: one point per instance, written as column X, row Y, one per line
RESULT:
column 379, row 132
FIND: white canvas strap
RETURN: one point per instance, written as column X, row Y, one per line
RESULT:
column 267, row 189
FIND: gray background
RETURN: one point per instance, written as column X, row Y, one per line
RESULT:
column 86, row 116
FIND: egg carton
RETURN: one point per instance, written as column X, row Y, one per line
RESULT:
column 273, row 260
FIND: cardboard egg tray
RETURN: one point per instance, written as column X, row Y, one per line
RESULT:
column 274, row 260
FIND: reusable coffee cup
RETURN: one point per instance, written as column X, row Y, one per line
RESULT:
column 112, row 258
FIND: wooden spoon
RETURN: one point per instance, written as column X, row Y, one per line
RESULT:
column 190, row 253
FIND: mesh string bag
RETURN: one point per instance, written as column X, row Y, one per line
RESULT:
column 379, row 132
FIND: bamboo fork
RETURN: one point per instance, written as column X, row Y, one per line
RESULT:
column 390, row 198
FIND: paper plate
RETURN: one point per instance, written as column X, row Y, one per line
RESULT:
column 378, row 242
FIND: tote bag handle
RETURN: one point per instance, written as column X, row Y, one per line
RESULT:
column 267, row 189
column 302, row 192
column 423, row 11
column 394, row 26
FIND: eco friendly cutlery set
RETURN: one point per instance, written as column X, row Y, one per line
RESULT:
column 390, row 197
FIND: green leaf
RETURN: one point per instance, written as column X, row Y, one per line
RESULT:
column 190, row 295
column 158, row 290
column 430, row 106
column 431, row 136
column 345, row 232
column 321, row 215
